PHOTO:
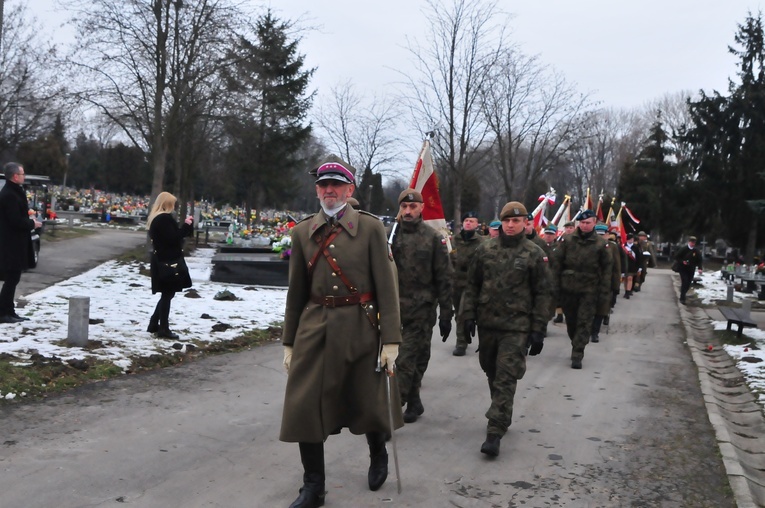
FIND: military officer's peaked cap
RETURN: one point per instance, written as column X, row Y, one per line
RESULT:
column 569, row 224
column 691, row 238
column 601, row 229
column 409, row 196
column 495, row 224
column 585, row 214
column 552, row 229
column 513, row 209
column 334, row 168
column 642, row 233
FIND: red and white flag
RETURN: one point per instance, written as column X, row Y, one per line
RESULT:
column 425, row 181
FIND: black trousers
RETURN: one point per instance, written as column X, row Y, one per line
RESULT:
column 686, row 277
column 162, row 310
column 12, row 278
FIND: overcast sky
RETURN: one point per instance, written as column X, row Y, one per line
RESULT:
column 625, row 53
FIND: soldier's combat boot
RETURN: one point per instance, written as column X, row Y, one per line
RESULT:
column 594, row 338
column 312, row 492
column 459, row 351
column 627, row 294
column 490, row 447
column 607, row 320
column 576, row 363
column 558, row 318
column 416, row 404
column 378, row 460
column 410, row 416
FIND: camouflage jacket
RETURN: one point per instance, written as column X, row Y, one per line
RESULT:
column 462, row 255
column 649, row 254
column 583, row 265
column 424, row 269
column 509, row 286
column 616, row 268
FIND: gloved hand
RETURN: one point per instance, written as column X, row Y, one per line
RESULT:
column 388, row 356
column 287, row 357
column 469, row 328
column 445, row 327
column 535, row 342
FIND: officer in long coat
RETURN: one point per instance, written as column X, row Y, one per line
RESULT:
column 648, row 260
column 582, row 275
column 341, row 325
column 15, row 238
column 508, row 297
column 424, row 283
column 688, row 259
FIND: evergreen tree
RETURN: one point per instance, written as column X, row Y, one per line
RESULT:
column 651, row 187
column 727, row 136
column 269, row 103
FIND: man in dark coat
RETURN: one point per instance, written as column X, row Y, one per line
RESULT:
column 688, row 259
column 342, row 327
column 15, row 238
column 424, row 282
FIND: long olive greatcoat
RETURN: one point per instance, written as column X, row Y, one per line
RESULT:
column 332, row 381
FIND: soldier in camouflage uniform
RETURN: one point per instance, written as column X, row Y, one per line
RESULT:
column 465, row 245
column 582, row 276
column 424, row 282
column 568, row 228
column 532, row 235
column 604, row 305
column 648, row 259
column 508, row 297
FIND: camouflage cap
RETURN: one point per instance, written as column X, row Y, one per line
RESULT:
column 513, row 209
column 333, row 167
column 409, row 196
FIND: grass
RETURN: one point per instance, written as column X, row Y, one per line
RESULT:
column 41, row 377
column 64, row 233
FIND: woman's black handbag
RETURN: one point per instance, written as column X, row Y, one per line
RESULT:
column 170, row 272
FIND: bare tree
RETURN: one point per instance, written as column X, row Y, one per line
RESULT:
column 147, row 65
column 535, row 117
column 30, row 90
column 464, row 41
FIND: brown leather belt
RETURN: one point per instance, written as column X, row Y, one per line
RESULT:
column 340, row 301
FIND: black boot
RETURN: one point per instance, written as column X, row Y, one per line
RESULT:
column 312, row 492
column 165, row 333
column 378, row 460
column 153, row 324
column 416, row 404
column 558, row 318
column 491, row 446
column 607, row 320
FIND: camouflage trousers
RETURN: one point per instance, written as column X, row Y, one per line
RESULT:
column 456, row 299
column 579, row 309
column 414, row 354
column 502, row 356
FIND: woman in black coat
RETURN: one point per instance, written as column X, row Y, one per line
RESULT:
column 167, row 240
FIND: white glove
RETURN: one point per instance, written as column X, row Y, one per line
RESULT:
column 287, row 357
column 388, row 356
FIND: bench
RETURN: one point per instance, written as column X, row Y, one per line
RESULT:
column 739, row 317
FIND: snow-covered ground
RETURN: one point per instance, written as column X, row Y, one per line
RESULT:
column 121, row 297
column 750, row 359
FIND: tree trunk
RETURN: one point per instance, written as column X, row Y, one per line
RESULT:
column 751, row 243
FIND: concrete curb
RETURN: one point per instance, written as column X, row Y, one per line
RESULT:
column 737, row 419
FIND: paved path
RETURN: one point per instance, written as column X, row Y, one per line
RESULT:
column 630, row 429
column 63, row 259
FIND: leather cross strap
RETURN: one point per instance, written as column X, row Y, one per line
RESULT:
column 322, row 247
column 340, row 301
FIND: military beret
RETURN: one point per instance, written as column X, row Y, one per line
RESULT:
column 334, row 168
column 569, row 224
column 642, row 233
column 552, row 229
column 691, row 238
column 409, row 196
column 495, row 224
column 469, row 215
column 513, row 209
column 585, row 214
column 630, row 236
column 601, row 229
column 530, row 216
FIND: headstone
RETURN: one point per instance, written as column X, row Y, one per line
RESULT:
column 746, row 306
column 729, row 296
column 79, row 313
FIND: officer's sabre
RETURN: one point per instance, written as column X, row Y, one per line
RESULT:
column 390, row 420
